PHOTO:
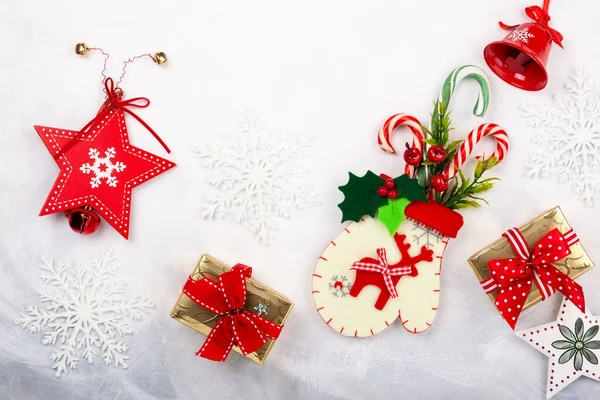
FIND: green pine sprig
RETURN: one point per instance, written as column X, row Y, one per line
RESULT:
column 439, row 135
column 466, row 193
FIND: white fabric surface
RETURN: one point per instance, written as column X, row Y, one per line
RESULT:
column 334, row 70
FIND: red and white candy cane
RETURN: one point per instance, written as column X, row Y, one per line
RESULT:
column 474, row 137
column 395, row 121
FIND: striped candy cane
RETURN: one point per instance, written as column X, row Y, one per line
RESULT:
column 468, row 71
column 475, row 137
column 395, row 121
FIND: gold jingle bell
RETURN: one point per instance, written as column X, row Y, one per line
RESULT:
column 160, row 58
column 81, row 49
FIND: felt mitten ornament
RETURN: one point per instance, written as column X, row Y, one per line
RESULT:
column 99, row 167
column 387, row 263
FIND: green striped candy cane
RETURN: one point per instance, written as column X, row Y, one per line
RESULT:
column 450, row 84
column 468, row 71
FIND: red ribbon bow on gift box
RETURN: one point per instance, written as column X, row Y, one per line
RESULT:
column 542, row 18
column 513, row 277
column 226, row 297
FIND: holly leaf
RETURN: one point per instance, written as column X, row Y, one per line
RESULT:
column 409, row 188
column 392, row 214
column 361, row 197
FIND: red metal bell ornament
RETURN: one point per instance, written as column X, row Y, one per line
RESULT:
column 83, row 220
column 520, row 58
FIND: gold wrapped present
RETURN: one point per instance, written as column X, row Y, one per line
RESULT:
column 573, row 265
column 260, row 300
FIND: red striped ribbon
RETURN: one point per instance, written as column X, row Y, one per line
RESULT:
column 541, row 17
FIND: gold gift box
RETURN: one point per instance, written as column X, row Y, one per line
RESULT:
column 200, row 319
column 574, row 265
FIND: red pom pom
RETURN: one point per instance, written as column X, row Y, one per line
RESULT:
column 382, row 191
column 439, row 183
column 83, row 220
column 390, row 184
column 436, row 154
column 392, row 194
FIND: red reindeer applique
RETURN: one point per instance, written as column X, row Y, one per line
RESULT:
column 378, row 272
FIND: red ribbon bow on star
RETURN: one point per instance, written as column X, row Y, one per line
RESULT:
column 381, row 266
column 114, row 102
column 226, row 297
column 542, row 18
column 513, row 277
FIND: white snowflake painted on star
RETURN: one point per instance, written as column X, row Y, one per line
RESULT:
column 568, row 142
column 571, row 344
column 521, row 35
column 257, row 177
column 103, row 167
column 85, row 311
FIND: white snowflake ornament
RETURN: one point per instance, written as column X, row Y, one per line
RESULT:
column 85, row 312
column 571, row 343
column 568, row 139
column 257, row 177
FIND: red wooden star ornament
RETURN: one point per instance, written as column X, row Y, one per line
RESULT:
column 99, row 167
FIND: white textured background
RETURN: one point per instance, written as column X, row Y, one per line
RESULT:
column 332, row 69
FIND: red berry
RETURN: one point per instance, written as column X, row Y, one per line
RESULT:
column 83, row 220
column 436, row 154
column 412, row 155
column 439, row 183
column 382, row 191
column 390, row 184
column 392, row 194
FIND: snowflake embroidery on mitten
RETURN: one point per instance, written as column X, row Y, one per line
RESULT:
column 423, row 234
column 103, row 167
column 339, row 286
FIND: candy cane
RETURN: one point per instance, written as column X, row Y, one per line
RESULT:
column 468, row 71
column 395, row 121
column 474, row 137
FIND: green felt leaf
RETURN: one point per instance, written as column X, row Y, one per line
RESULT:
column 392, row 214
column 361, row 197
column 409, row 188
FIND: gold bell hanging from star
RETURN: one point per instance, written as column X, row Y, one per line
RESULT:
column 160, row 58
column 81, row 49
